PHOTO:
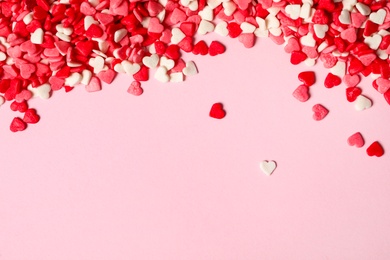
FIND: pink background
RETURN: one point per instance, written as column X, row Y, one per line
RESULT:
column 109, row 175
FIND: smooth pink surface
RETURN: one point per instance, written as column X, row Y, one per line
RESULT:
column 109, row 175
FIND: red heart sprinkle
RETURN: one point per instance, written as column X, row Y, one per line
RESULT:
column 375, row 149
column 31, row 116
column 200, row 48
column 297, row 57
column 352, row 93
column 217, row 111
column 332, row 80
column 216, row 48
column 307, row 77
column 17, row 124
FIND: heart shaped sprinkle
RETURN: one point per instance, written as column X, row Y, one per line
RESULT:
column 308, row 78
column 352, row 93
column 31, row 116
column 361, row 103
column 320, row 112
column 135, row 88
column 356, row 140
column 332, row 80
column 375, row 149
column 268, row 167
column 301, row 93
column 217, row 111
column 18, row 124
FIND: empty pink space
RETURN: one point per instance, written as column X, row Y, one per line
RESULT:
column 109, row 175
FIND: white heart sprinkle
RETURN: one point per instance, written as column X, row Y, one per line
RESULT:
column 363, row 9
column 37, row 36
column 308, row 40
column 305, row 11
column 190, row 69
column 74, row 79
column 229, row 7
column 293, row 10
column 176, row 77
column 86, row 77
column 345, row 17
column 167, row 63
column 120, row 34
column 247, row 27
column 161, row 74
column 221, row 29
column 151, row 61
column 130, row 68
column 320, row 30
column 207, row 13
column 268, row 167
column 42, row 91
column 177, row 35
column 205, row 27
column 361, row 103
column 339, row 69
column 373, row 41
column 378, row 17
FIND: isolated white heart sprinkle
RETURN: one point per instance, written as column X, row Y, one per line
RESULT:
column 268, row 167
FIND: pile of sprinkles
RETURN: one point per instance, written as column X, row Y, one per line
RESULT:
column 47, row 45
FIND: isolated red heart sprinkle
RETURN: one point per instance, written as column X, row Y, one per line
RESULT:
column 308, row 78
column 375, row 149
column 217, row 111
